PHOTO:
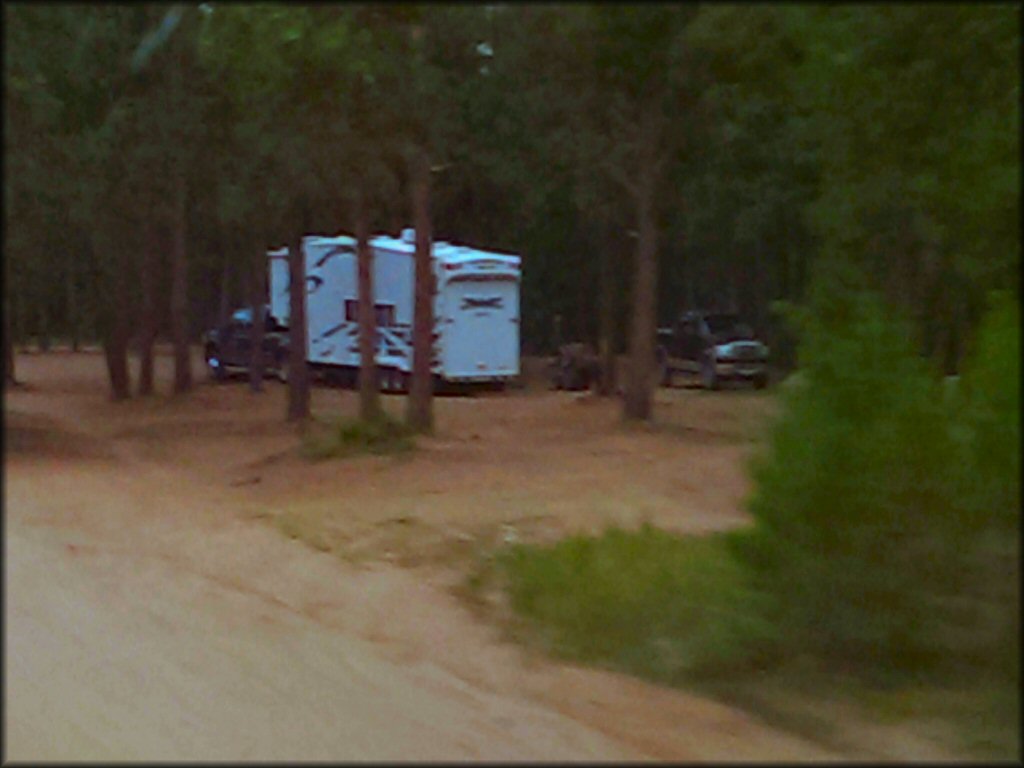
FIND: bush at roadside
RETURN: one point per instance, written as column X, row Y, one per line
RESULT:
column 885, row 541
column 381, row 435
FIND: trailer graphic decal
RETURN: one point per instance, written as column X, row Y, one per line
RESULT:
column 472, row 302
column 338, row 250
column 316, row 283
column 332, row 331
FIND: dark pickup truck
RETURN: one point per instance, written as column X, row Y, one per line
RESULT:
column 227, row 348
column 714, row 346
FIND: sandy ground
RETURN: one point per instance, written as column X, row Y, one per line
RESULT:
column 155, row 611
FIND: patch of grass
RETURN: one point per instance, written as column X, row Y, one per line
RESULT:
column 680, row 610
column 647, row 602
column 383, row 435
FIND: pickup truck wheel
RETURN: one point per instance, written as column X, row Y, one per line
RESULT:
column 708, row 377
column 214, row 367
column 761, row 381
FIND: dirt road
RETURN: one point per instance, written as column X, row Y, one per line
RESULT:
column 153, row 614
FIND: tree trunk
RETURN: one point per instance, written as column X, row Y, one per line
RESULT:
column 606, row 342
column 8, row 347
column 72, row 299
column 420, row 405
column 256, row 292
column 147, row 330
column 87, row 302
column 639, row 389
column 43, row 334
column 115, row 345
column 179, row 285
column 116, row 351
column 21, row 321
column 298, row 373
column 369, row 397
column 225, row 298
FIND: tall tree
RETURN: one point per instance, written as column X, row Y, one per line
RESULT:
column 369, row 398
column 256, row 269
column 430, row 71
column 9, row 377
column 148, row 284
column 179, row 112
column 298, row 373
column 641, row 60
column 420, row 412
column 641, row 347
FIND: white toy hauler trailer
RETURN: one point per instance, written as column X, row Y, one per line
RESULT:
column 476, row 309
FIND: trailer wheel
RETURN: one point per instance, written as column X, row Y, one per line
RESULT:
column 664, row 370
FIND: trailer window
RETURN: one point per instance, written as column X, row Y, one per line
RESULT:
column 385, row 313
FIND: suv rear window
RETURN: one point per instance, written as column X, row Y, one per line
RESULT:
column 721, row 323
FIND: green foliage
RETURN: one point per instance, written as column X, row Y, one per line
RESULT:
column 881, row 516
column 380, row 436
column 883, row 137
column 990, row 410
column 853, row 505
column 885, row 544
column 646, row 601
column 986, row 421
column 916, row 111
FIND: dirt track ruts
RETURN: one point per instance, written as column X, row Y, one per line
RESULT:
column 149, row 616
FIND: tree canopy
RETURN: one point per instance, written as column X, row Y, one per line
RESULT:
column 784, row 141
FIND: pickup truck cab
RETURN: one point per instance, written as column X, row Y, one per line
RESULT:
column 226, row 349
column 716, row 346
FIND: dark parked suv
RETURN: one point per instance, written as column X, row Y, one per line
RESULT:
column 227, row 348
column 715, row 346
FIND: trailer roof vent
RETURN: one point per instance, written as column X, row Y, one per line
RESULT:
column 408, row 235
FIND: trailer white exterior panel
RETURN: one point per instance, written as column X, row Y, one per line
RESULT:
column 330, row 266
column 277, row 267
column 480, row 336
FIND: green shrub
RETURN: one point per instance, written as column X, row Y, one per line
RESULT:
column 988, row 413
column 382, row 435
column 864, row 524
column 885, row 542
column 987, row 426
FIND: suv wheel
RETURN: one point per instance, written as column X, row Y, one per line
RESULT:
column 708, row 377
column 665, row 375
